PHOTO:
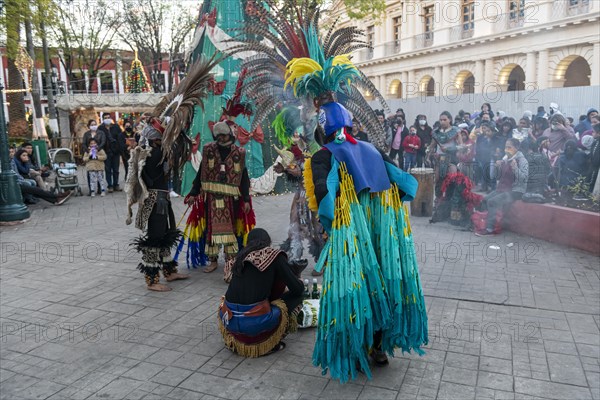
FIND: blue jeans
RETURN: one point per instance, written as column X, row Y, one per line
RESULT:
column 111, row 167
column 410, row 161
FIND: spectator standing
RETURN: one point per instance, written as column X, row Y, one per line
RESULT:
column 424, row 132
column 94, row 164
column 398, row 136
column 115, row 146
column 93, row 133
column 411, row 145
column 486, row 155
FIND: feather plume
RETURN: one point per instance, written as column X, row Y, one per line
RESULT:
column 176, row 109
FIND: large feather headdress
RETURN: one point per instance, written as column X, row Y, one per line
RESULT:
column 279, row 34
column 176, row 111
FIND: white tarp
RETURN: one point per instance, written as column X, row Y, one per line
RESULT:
column 125, row 102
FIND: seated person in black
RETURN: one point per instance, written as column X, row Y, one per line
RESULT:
column 257, row 311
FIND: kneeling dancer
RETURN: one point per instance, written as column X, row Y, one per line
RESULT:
column 256, row 313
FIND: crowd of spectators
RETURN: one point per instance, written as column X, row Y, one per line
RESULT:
column 561, row 153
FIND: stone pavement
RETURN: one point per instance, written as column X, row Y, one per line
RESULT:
column 510, row 318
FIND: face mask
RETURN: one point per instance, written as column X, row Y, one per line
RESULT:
column 413, row 132
column 107, row 122
column 422, row 122
column 93, row 127
column 554, row 126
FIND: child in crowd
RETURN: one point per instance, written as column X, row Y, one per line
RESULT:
column 94, row 163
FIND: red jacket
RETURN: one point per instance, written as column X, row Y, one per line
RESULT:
column 411, row 139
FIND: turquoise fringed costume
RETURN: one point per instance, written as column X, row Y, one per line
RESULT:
column 372, row 299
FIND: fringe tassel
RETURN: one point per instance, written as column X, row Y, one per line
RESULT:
column 257, row 349
column 309, row 186
column 221, row 188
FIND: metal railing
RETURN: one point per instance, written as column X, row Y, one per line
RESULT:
column 508, row 21
column 391, row 48
column 569, row 8
column 365, row 54
column 461, row 32
column 424, row 40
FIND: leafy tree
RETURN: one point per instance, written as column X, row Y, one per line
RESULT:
column 85, row 32
column 153, row 27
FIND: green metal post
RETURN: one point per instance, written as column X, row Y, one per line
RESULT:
column 11, row 200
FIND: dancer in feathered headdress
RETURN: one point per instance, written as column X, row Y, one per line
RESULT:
column 304, row 223
column 222, row 214
column 162, row 148
column 277, row 34
column 372, row 300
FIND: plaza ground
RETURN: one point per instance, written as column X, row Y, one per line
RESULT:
column 510, row 318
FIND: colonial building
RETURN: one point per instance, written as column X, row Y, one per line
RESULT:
column 111, row 78
column 424, row 48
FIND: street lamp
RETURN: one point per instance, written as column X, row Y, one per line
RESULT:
column 11, row 200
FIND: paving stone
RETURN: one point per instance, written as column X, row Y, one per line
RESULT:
column 462, row 361
column 453, row 391
column 375, row 393
column 171, row 376
column 213, row 385
column 495, row 381
column 143, row 371
column 118, row 389
column 460, row 375
column 550, row 390
column 566, row 369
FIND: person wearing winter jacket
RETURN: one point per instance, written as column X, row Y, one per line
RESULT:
column 94, row 164
column 396, row 141
column 512, row 183
column 586, row 124
column 424, row 132
column 411, row 145
column 557, row 134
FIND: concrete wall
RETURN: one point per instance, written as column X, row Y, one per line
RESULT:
column 572, row 102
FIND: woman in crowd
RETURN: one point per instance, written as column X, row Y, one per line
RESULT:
column 424, row 132
column 557, row 133
column 256, row 312
column 486, row 153
column 572, row 164
column 466, row 155
column 26, row 170
column 540, row 124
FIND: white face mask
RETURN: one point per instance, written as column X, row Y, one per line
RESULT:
column 422, row 122
column 93, row 127
column 107, row 121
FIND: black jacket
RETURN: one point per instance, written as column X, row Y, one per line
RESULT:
column 115, row 139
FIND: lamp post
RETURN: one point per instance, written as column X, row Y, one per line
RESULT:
column 11, row 200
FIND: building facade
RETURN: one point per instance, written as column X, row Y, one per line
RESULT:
column 445, row 48
column 111, row 78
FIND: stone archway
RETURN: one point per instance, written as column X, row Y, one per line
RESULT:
column 395, row 90
column 573, row 71
column 465, row 82
column 512, row 77
column 427, row 86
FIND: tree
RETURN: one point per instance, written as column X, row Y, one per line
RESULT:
column 14, row 94
column 85, row 32
column 151, row 26
column 137, row 81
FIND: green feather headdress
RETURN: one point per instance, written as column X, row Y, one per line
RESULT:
column 317, row 75
column 285, row 124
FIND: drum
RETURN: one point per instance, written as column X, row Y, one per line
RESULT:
column 422, row 205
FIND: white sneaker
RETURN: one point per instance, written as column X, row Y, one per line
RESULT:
column 173, row 194
column 103, row 194
column 94, row 194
